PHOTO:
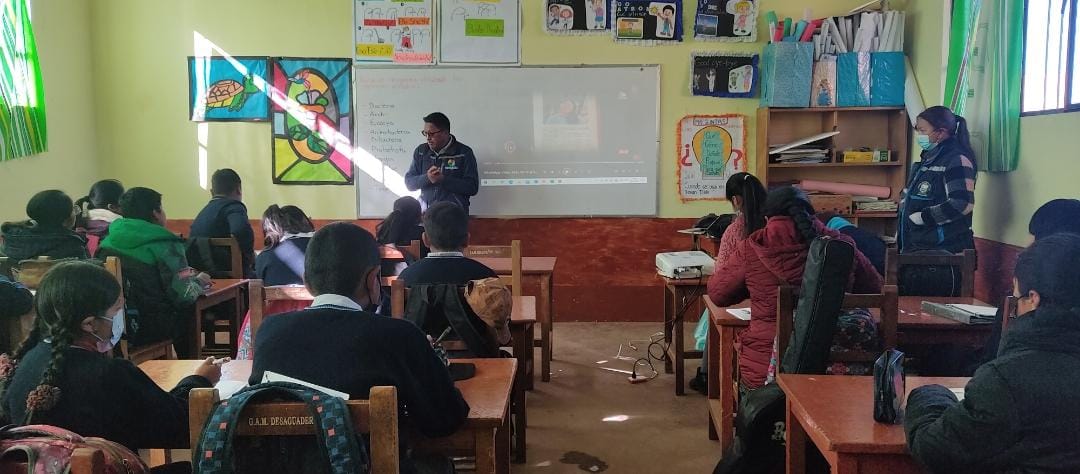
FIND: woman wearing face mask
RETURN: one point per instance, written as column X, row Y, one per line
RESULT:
column 62, row 374
column 936, row 205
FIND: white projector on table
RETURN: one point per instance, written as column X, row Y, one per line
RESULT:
column 691, row 264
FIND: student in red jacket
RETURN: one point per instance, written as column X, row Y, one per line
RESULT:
column 771, row 257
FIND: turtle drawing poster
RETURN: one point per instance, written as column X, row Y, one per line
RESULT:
column 227, row 89
column 396, row 32
column 726, row 20
column 648, row 22
column 711, row 148
column 312, row 121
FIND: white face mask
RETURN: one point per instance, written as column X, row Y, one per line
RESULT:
column 117, row 321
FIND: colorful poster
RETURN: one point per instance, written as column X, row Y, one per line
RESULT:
column 711, row 149
column 480, row 32
column 648, row 22
column 227, row 89
column 726, row 20
column 397, row 32
column 731, row 75
column 312, row 119
column 576, row 17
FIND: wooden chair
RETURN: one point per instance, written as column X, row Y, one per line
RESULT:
column 886, row 302
column 137, row 355
column 377, row 416
column 260, row 296
column 29, row 272
column 415, row 249
column 82, row 461
column 218, row 325
column 512, row 251
column 236, row 267
column 965, row 261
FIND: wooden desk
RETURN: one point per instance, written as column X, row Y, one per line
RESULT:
column 913, row 327
column 540, row 270
column 221, row 291
column 835, row 412
column 522, row 335
column 678, row 296
column 485, row 434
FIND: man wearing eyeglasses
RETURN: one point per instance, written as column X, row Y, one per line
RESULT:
column 443, row 169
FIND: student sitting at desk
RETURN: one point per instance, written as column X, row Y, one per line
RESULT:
column 773, row 256
column 1020, row 411
column 338, row 345
column 48, row 233
column 97, row 210
column 446, row 232
column 226, row 216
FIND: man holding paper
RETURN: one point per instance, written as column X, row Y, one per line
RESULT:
column 443, row 169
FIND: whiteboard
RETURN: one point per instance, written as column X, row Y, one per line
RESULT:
column 549, row 141
column 479, row 31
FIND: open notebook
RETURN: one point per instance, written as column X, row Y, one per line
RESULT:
column 226, row 388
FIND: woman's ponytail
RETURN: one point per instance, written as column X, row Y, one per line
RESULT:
column 792, row 202
column 963, row 137
column 752, row 192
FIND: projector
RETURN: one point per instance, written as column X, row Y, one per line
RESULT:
column 679, row 265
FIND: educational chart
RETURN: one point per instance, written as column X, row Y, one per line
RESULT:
column 726, row 20
column 576, row 17
column 648, row 22
column 479, row 32
column 396, row 32
column 711, row 149
column 312, row 121
column 228, row 89
column 723, row 74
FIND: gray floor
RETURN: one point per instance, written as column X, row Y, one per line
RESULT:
column 567, row 432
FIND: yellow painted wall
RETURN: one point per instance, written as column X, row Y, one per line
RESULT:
column 146, row 139
column 63, row 39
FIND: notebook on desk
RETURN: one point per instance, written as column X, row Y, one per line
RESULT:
column 964, row 313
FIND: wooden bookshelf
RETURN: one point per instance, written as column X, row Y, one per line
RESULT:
column 870, row 127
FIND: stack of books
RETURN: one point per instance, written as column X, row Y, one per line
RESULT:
column 802, row 155
column 964, row 313
column 874, row 205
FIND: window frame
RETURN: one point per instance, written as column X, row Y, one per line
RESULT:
column 1068, row 104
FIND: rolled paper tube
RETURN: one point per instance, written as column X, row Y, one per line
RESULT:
column 845, row 188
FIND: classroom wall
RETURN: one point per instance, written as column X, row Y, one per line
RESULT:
column 62, row 31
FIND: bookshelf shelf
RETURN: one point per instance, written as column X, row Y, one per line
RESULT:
column 828, row 165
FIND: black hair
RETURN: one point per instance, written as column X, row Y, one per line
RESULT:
column 446, row 226
column 224, row 182
column 1058, row 215
column 338, row 258
column 941, row 118
column 102, row 194
column 792, row 202
column 439, row 120
column 1051, row 267
column 140, row 203
column 752, row 192
column 395, row 228
column 669, row 7
column 278, row 221
column 50, row 209
column 69, row 292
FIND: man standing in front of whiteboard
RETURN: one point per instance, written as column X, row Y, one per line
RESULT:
column 443, row 169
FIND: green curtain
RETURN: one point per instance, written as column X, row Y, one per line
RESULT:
column 22, row 92
column 986, row 53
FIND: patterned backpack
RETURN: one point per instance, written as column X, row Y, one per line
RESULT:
column 335, row 448
column 48, row 449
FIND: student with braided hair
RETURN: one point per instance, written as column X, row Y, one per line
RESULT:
column 62, row 374
column 772, row 256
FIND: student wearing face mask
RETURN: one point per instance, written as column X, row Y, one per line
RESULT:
column 62, row 374
column 936, row 206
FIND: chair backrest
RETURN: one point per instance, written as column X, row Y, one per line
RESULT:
column 965, row 261
column 887, row 302
column 399, row 299
column 415, row 249
column 512, row 251
column 260, row 296
column 218, row 245
column 30, row 272
column 376, row 416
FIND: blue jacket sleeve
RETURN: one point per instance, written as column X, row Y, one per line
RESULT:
column 434, row 405
column 416, row 177
column 15, row 299
column 469, row 183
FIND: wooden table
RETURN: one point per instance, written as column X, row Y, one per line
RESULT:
column 221, row 291
column 485, row 434
column 836, row 413
column 913, row 327
column 540, row 270
column 679, row 296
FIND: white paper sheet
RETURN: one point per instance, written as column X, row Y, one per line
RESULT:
column 959, row 392
column 741, row 313
column 987, row 311
column 269, row 376
column 226, row 388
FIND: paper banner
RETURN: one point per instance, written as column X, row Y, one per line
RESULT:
column 731, row 75
column 312, row 121
column 711, row 148
column 647, row 22
column 576, row 17
column 726, row 20
column 393, row 32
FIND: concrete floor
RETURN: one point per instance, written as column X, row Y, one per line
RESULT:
column 658, row 432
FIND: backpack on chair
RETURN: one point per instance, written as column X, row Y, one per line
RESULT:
column 48, row 449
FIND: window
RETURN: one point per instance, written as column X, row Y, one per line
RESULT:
column 1051, row 57
column 22, row 94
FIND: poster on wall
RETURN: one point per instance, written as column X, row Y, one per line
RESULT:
column 479, row 32
column 726, row 20
column 227, row 89
column 648, row 22
column 576, row 17
column 729, row 75
column 312, row 120
column 711, row 149
column 395, row 32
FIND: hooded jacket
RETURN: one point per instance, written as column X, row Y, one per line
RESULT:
column 941, row 193
column 771, row 257
column 1020, row 411
column 26, row 240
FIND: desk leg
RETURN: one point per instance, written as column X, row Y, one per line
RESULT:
column 488, row 455
column 796, row 444
column 712, row 354
column 547, row 319
column 195, row 346
column 679, row 331
column 669, row 316
column 519, row 423
column 238, row 319
column 726, row 382
column 527, row 354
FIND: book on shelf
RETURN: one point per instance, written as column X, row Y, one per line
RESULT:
column 811, row 149
column 963, row 313
column 883, row 205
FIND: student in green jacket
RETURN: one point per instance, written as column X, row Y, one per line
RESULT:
column 161, row 287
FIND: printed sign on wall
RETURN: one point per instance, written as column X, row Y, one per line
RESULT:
column 730, row 75
column 711, row 149
column 648, row 22
column 726, row 20
column 397, row 32
column 479, row 32
column 576, row 17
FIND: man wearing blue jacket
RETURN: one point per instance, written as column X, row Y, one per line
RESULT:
column 443, row 169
